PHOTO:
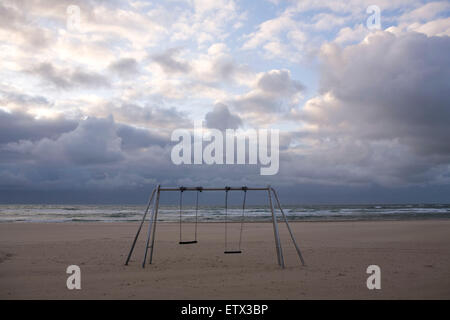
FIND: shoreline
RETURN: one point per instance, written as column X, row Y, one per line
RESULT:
column 280, row 220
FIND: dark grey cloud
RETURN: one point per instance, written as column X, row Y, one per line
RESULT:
column 147, row 115
column 68, row 78
column 225, row 68
column 133, row 138
column 394, row 87
column 17, row 126
column 167, row 60
column 221, row 118
column 23, row 99
column 85, row 142
column 99, row 154
column 115, row 161
column 125, row 67
column 383, row 112
column 93, row 141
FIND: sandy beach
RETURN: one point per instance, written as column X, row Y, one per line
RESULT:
column 414, row 257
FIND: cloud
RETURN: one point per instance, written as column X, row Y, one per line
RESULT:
column 383, row 110
column 221, row 118
column 269, row 30
column 95, row 153
column 379, row 115
column 147, row 115
column 273, row 92
column 15, row 100
column 298, row 30
column 168, row 62
column 17, row 126
column 351, row 35
column 18, row 24
column 217, row 68
column 279, row 82
column 94, row 141
column 207, row 22
column 425, row 12
column 125, row 67
column 67, row 78
column 134, row 138
column 438, row 27
column 326, row 21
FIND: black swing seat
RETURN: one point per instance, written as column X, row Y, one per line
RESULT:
column 232, row 251
column 187, row 242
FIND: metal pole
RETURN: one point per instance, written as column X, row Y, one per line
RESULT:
column 196, row 216
column 181, row 206
column 242, row 219
column 213, row 189
column 140, row 227
column 150, row 227
column 275, row 231
column 154, row 225
column 226, row 218
column 289, row 228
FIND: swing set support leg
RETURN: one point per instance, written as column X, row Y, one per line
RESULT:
column 152, row 218
column 140, row 226
column 288, row 227
column 275, row 231
column 154, row 227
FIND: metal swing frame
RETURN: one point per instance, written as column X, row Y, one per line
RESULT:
column 154, row 204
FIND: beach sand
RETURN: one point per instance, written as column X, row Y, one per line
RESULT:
column 414, row 257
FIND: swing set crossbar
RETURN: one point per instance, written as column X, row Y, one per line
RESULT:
column 214, row 189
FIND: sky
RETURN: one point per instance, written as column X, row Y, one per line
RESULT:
column 91, row 91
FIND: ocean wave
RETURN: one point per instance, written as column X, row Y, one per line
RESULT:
column 91, row 213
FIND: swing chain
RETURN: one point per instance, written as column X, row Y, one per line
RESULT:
column 199, row 189
column 226, row 215
column 244, row 188
column 182, row 189
column 181, row 206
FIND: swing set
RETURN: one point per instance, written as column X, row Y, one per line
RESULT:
column 150, row 242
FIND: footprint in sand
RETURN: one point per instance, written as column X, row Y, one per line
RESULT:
column 5, row 256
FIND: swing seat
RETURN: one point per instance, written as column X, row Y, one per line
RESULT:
column 187, row 242
column 232, row 251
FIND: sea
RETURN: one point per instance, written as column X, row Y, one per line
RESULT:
column 168, row 213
